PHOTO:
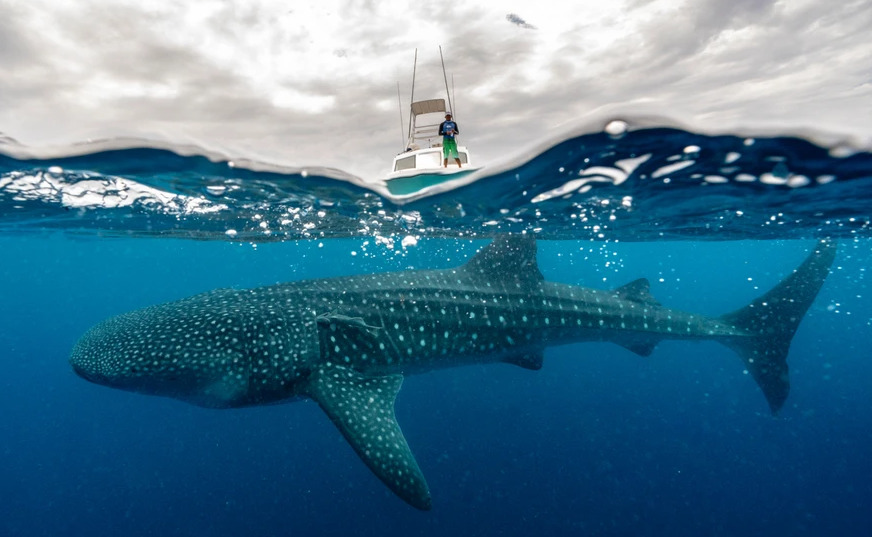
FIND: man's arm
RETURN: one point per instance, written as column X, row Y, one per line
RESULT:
column 442, row 128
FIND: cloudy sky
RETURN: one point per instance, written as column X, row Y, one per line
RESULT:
column 315, row 83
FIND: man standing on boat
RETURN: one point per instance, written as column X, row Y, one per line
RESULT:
column 448, row 129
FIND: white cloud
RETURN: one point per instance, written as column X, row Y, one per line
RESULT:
column 314, row 83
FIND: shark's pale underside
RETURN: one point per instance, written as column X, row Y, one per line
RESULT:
column 347, row 342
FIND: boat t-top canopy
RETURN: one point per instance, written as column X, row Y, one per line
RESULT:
column 431, row 106
column 426, row 118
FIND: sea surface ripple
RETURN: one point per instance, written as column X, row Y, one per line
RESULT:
column 653, row 183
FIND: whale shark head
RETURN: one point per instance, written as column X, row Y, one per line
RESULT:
column 224, row 348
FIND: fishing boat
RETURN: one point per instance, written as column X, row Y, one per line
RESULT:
column 421, row 163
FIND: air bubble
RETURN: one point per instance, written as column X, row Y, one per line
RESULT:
column 616, row 128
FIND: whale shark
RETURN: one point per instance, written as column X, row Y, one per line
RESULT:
column 348, row 342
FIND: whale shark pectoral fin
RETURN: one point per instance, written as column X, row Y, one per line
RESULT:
column 363, row 410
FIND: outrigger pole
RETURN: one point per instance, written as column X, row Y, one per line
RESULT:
column 414, row 70
column 453, row 92
column 450, row 106
column 400, row 103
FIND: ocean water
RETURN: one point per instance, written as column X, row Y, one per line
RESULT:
column 599, row 442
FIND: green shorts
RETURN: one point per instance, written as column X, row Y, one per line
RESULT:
column 449, row 148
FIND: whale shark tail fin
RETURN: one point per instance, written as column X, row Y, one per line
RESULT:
column 772, row 319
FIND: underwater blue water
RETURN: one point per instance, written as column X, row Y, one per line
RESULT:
column 599, row 442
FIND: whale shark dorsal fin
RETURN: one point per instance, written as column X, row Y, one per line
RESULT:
column 637, row 291
column 362, row 408
column 508, row 259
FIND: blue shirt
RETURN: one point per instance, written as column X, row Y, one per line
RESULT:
column 448, row 127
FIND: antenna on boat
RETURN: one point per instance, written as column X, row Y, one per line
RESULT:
column 414, row 70
column 450, row 106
